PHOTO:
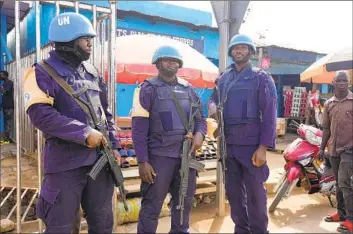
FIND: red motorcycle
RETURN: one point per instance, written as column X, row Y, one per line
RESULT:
column 303, row 168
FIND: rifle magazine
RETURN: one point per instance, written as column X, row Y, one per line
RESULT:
column 98, row 166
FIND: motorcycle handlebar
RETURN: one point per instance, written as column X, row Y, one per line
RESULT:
column 294, row 123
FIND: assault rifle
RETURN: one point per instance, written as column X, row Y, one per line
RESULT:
column 105, row 151
column 187, row 162
column 221, row 139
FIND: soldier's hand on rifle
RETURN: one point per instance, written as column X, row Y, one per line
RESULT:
column 95, row 139
column 146, row 172
column 196, row 142
column 259, row 157
column 216, row 133
column 117, row 156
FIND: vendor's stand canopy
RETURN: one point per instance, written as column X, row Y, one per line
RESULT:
column 323, row 70
column 134, row 57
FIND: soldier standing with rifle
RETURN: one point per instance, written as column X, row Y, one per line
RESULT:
column 247, row 99
column 72, row 142
column 165, row 142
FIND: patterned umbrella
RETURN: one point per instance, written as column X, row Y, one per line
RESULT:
column 340, row 61
column 323, row 70
column 134, row 56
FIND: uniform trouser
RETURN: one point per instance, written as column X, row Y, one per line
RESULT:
column 8, row 120
column 345, row 173
column 335, row 164
column 247, row 196
column 153, row 196
column 63, row 192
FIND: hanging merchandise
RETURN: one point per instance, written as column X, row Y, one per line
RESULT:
column 295, row 102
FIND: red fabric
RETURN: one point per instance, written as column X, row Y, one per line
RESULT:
column 335, row 217
column 137, row 73
column 348, row 225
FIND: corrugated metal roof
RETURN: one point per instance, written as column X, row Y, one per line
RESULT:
column 7, row 8
column 287, row 68
column 261, row 44
column 162, row 10
column 122, row 13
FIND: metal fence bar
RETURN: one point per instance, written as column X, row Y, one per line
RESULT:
column 103, row 36
column 57, row 7
column 77, row 6
column 7, row 196
column 29, row 206
column 102, row 57
column 82, row 6
column 95, row 46
column 111, row 57
column 39, row 133
column 18, row 204
column 17, row 107
column 112, row 86
column 224, row 37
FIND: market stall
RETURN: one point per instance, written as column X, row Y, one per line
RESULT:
column 207, row 155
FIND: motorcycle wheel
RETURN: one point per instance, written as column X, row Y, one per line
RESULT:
column 279, row 195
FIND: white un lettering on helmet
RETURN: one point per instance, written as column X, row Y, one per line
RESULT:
column 65, row 20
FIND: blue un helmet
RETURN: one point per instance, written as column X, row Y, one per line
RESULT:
column 69, row 26
column 167, row 52
column 241, row 39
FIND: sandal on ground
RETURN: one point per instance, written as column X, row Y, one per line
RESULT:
column 346, row 227
column 333, row 218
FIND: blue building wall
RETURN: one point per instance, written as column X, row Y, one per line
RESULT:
column 2, row 127
column 205, row 39
column 160, row 9
column 208, row 37
column 286, row 54
column 126, row 91
column 3, row 38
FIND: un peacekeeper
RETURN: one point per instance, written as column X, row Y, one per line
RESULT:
column 249, row 97
column 71, row 143
column 158, row 133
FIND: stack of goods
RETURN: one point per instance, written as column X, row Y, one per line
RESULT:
column 303, row 104
column 288, row 101
column 281, row 126
column 295, row 102
column 127, row 153
column 208, row 150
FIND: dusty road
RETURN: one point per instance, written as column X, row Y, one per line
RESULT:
column 300, row 213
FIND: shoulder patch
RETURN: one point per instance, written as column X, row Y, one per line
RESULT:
column 256, row 69
column 137, row 110
column 183, row 82
column 91, row 69
column 32, row 93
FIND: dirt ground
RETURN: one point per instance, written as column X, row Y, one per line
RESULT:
column 300, row 213
column 29, row 166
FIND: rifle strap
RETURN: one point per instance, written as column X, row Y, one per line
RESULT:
column 180, row 111
column 65, row 86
